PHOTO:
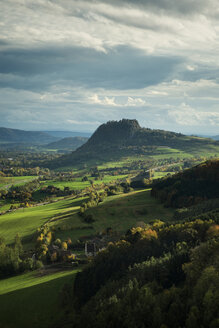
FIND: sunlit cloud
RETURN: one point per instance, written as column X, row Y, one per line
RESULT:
column 76, row 64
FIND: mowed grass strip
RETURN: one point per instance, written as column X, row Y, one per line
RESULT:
column 31, row 300
column 26, row 221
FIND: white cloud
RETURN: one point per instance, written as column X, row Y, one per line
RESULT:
column 186, row 115
column 101, row 26
column 135, row 102
column 190, row 68
column 185, row 29
column 106, row 101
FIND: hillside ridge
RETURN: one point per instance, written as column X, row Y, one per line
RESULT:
column 22, row 136
column 190, row 187
column 69, row 143
column 117, row 139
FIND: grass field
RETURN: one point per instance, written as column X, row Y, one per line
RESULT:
column 119, row 212
column 125, row 211
column 162, row 153
column 7, row 182
column 26, row 221
column 159, row 175
column 32, row 300
column 79, row 184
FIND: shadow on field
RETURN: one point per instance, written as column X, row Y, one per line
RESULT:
column 33, row 306
column 73, row 204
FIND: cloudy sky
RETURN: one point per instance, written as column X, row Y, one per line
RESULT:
column 74, row 64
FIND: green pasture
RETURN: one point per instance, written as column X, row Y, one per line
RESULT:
column 128, row 210
column 26, row 221
column 4, row 205
column 119, row 212
column 33, row 299
column 7, row 182
column 159, row 175
column 162, row 153
column 158, row 153
column 78, row 184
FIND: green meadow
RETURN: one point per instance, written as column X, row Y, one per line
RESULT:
column 33, row 299
column 160, row 153
column 119, row 212
column 159, row 175
column 127, row 210
column 26, row 221
column 7, row 182
column 77, row 183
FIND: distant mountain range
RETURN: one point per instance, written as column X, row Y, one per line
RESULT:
column 68, row 134
column 116, row 139
column 207, row 136
column 19, row 139
column 8, row 135
column 71, row 143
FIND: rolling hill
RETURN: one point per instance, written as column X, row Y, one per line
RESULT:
column 190, row 187
column 20, row 136
column 68, row 134
column 71, row 143
column 116, row 139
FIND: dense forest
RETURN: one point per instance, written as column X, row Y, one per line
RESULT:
column 189, row 187
column 161, row 276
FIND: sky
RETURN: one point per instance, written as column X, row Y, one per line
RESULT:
column 74, row 64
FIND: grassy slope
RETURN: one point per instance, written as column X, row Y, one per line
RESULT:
column 7, row 182
column 125, row 211
column 26, row 221
column 159, row 175
column 29, row 300
column 119, row 212
column 78, row 184
column 158, row 154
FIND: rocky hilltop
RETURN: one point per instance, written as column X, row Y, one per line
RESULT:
column 116, row 139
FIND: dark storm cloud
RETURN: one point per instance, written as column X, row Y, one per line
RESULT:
column 121, row 68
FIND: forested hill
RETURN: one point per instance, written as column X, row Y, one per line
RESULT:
column 190, row 187
column 20, row 136
column 116, row 139
column 114, row 133
column 70, row 143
